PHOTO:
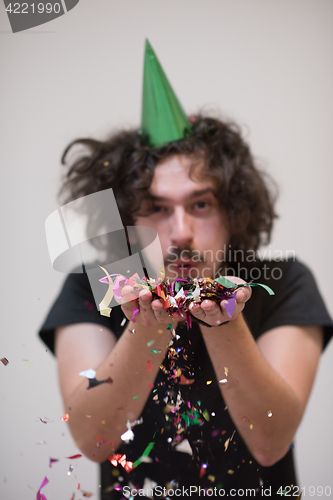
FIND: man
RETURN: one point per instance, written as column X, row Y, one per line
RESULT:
column 215, row 406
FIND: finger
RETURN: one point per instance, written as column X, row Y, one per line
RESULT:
column 147, row 316
column 214, row 315
column 243, row 294
column 129, row 293
column 128, row 308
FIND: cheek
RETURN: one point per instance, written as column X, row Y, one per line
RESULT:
column 212, row 235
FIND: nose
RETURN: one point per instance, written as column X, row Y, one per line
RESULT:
column 182, row 233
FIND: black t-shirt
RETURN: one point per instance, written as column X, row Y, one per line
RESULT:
column 220, row 458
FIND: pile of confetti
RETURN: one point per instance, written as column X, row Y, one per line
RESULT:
column 178, row 295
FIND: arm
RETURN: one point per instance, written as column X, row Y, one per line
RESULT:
column 104, row 410
column 273, row 375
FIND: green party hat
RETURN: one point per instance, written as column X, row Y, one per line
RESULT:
column 163, row 119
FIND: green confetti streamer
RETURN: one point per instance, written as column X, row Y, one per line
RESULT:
column 136, row 463
column 148, row 449
column 169, row 326
column 223, row 281
column 154, row 351
column 267, row 288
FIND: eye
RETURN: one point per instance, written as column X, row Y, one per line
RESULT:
column 158, row 208
column 201, row 204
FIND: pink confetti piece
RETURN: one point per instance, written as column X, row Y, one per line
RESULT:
column 52, row 461
column 40, row 495
column 188, row 321
column 135, row 312
column 120, row 282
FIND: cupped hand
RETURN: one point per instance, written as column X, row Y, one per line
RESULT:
column 151, row 312
column 215, row 314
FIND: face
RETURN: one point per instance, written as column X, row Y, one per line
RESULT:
column 188, row 219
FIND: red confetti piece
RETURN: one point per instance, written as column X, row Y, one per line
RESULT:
column 150, row 385
column 75, row 456
column 65, row 417
column 117, row 458
column 202, row 471
column 149, row 367
column 89, row 305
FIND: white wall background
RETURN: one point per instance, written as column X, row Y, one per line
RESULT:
column 267, row 64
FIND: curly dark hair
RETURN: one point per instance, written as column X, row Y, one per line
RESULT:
column 125, row 164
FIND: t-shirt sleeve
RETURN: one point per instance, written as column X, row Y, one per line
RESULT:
column 297, row 301
column 75, row 304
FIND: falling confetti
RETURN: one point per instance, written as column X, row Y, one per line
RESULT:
column 90, row 373
column 269, row 414
column 40, row 495
column 223, row 381
column 70, row 470
column 127, row 436
column 149, row 367
column 52, row 461
column 4, row 361
column 65, row 417
column 45, row 420
column 75, row 456
column 89, row 305
column 117, row 458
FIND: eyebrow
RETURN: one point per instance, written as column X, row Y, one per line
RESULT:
column 194, row 194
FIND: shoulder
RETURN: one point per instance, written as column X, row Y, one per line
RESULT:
column 297, row 300
column 76, row 304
